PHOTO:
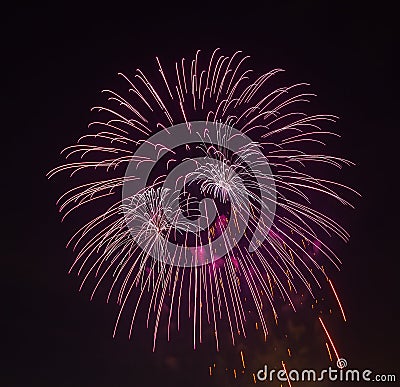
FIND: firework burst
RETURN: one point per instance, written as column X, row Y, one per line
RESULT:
column 212, row 176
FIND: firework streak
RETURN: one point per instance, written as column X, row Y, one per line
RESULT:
column 204, row 180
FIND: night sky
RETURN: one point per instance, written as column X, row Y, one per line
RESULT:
column 57, row 60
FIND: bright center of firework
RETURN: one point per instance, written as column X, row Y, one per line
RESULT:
column 220, row 180
column 231, row 168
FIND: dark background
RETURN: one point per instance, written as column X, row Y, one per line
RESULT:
column 57, row 59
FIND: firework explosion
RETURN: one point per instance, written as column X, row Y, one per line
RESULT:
column 205, row 182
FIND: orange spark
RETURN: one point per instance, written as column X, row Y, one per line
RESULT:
column 287, row 376
column 241, row 355
column 338, row 300
column 329, row 337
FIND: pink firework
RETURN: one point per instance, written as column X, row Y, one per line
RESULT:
column 236, row 212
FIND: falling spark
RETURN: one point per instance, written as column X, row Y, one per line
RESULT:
column 287, row 376
column 242, row 357
column 329, row 351
column 338, row 300
column 329, row 338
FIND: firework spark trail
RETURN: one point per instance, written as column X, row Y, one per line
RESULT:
column 338, row 300
column 329, row 337
column 286, row 373
column 130, row 240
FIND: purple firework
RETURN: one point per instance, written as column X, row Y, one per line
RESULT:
column 205, row 179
